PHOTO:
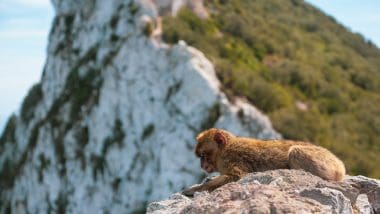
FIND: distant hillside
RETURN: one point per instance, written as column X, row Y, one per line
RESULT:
column 316, row 80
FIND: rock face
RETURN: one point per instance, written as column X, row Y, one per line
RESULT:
column 112, row 123
column 280, row 191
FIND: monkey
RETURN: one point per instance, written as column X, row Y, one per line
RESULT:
column 233, row 157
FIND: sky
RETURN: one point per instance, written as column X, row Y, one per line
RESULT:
column 24, row 28
column 25, row 25
column 360, row 16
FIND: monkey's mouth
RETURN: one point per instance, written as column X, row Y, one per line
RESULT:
column 209, row 169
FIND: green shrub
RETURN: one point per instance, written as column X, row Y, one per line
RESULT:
column 301, row 125
column 269, row 97
column 213, row 116
column 9, row 134
column 148, row 29
column 82, row 89
column 148, row 131
column 28, row 105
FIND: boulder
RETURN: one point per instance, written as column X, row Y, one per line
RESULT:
column 279, row 191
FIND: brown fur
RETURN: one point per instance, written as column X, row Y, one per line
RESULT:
column 234, row 157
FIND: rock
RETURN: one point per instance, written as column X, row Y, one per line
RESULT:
column 276, row 191
column 329, row 197
column 374, row 199
column 363, row 205
column 233, row 198
column 368, row 186
column 171, row 7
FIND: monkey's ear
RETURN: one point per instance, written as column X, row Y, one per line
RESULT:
column 220, row 139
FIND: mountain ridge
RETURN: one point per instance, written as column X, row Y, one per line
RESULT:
column 316, row 81
column 113, row 121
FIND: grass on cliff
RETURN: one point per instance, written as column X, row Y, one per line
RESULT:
column 316, row 80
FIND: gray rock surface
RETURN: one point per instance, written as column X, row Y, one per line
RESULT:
column 369, row 187
column 363, row 204
column 277, row 191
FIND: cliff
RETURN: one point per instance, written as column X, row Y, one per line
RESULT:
column 111, row 125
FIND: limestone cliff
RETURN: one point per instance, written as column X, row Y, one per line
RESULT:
column 111, row 125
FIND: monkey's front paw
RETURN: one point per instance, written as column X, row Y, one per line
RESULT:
column 207, row 179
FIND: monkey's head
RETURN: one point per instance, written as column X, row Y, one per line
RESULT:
column 210, row 144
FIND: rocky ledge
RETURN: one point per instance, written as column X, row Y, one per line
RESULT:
column 280, row 191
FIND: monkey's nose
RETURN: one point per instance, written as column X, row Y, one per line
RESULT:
column 209, row 169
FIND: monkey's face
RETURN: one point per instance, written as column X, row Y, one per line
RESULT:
column 206, row 155
column 210, row 143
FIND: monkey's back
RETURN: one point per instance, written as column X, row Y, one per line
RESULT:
column 253, row 155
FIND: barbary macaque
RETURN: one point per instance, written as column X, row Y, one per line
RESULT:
column 233, row 157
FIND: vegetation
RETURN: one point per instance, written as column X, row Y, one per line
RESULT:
column 9, row 132
column 148, row 131
column 61, row 203
column 116, row 139
column 28, row 105
column 11, row 168
column 99, row 161
column 148, row 29
column 213, row 115
column 80, row 91
column 82, row 139
column 316, row 80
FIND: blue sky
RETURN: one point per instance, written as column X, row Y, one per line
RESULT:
column 25, row 24
column 361, row 16
column 24, row 27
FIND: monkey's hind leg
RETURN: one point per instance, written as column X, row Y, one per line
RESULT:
column 316, row 160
